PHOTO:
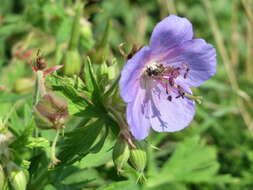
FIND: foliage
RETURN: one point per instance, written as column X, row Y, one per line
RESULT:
column 214, row 152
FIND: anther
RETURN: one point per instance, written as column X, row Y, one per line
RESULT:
column 186, row 73
column 180, row 92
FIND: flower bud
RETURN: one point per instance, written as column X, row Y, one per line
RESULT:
column 51, row 112
column 23, row 85
column 16, row 175
column 2, row 177
column 120, row 154
column 18, row 179
column 138, row 156
column 72, row 62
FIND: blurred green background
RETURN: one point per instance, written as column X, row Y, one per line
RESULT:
column 214, row 152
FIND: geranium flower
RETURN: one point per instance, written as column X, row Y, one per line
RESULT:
column 155, row 83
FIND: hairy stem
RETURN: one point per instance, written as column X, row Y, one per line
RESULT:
column 124, row 130
column 75, row 33
column 54, row 159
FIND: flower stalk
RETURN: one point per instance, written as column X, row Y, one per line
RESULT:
column 75, row 33
column 124, row 130
column 54, row 159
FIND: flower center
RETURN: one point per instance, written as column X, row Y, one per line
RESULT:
column 166, row 76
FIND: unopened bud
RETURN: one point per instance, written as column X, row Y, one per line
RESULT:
column 51, row 112
column 120, row 154
column 23, row 85
column 2, row 177
column 18, row 179
column 16, row 176
column 138, row 156
column 72, row 62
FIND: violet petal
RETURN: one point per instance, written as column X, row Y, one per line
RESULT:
column 130, row 74
column 137, row 116
column 170, row 32
column 199, row 56
column 170, row 116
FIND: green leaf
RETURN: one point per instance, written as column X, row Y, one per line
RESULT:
column 97, row 147
column 113, row 87
column 89, row 76
column 73, row 90
column 23, row 137
column 92, row 85
column 191, row 162
column 97, row 159
column 123, row 185
column 75, row 178
column 78, row 142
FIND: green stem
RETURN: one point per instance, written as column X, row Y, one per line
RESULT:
column 122, row 124
column 54, row 159
column 124, row 130
column 75, row 33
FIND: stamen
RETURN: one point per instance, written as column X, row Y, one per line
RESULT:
column 186, row 70
column 166, row 75
column 198, row 99
column 181, row 92
column 186, row 73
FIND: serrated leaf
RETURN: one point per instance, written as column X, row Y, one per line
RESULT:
column 92, row 83
column 24, row 135
column 97, row 159
column 191, row 162
column 73, row 90
column 97, row 147
column 112, row 88
column 89, row 76
column 78, row 142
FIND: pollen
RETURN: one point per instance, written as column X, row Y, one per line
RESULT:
column 166, row 76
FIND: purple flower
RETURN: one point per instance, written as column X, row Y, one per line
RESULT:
column 155, row 83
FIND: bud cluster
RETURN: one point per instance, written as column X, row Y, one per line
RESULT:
column 17, row 177
column 124, row 153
